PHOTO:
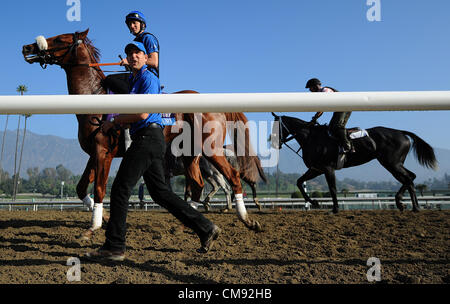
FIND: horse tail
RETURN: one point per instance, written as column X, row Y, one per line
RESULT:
column 249, row 163
column 262, row 175
column 236, row 132
column 423, row 151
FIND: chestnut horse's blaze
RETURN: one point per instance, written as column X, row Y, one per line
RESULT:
column 74, row 52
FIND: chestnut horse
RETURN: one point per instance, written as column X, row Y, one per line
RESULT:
column 74, row 53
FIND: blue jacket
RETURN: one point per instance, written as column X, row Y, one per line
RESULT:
column 151, row 45
column 145, row 82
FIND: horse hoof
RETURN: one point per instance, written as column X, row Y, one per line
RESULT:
column 207, row 206
column 84, row 238
column 400, row 207
column 257, row 226
column 225, row 210
column 335, row 210
column 87, row 235
column 315, row 204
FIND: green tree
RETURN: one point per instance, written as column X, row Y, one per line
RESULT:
column 421, row 188
column 345, row 192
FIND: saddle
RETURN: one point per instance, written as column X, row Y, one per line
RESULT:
column 352, row 133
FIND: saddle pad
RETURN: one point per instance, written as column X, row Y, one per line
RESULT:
column 358, row 134
column 168, row 119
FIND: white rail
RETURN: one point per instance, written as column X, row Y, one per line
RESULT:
column 231, row 102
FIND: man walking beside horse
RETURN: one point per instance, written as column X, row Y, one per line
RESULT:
column 145, row 157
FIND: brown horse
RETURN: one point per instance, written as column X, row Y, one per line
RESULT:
column 74, row 52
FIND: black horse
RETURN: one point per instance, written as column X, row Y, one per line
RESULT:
column 320, row 154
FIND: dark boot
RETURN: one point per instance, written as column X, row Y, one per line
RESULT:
column 345, row 143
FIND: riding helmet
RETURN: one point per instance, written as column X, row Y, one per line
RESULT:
column 312, row 83
column 136, row 15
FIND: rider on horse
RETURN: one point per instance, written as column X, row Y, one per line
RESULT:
column 339, row 119
column 137, row 24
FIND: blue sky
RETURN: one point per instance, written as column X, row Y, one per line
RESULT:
column 251, row 46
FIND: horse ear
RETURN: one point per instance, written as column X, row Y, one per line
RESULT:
column 83, row 35
column 274, row 115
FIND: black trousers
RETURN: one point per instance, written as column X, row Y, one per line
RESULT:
column 145, row 157
column 118, row 83
column 337, row 127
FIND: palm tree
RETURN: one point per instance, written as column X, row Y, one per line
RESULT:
column 3, row 143
column 23, row 143
column 21, row 89
column 345, row 192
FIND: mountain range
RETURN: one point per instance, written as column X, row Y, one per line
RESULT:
column 48, row 151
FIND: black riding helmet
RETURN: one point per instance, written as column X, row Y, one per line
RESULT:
column 312, row 83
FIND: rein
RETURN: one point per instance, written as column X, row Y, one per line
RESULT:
column 288, row 139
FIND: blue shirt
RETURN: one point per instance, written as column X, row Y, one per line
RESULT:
column 145, row 82
column 151, row 45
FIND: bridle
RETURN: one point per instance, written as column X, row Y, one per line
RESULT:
column 47, row 57
column 289, row 138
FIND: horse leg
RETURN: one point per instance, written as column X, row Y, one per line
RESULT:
column 232, row 176
column 255, row 198
column 213, row 192
column 310, row 174
column 412, row 190
column 221, row 182
column 406, row 178
column 83, row 184
column 399, row 197
column 194, row 179
column 102, row 166
column 331, row 181
column 229, row 196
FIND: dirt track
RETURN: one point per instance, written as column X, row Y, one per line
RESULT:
column 296, row 247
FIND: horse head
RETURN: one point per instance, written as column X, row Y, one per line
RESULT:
column 286, row 128
column 61, row 50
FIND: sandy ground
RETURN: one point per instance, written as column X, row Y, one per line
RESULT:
column 295, row 247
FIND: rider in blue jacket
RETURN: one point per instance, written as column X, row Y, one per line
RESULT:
column 136, row 23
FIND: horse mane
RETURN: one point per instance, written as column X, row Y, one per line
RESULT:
column 301, row 123
column 92, row 49
column 296, row 121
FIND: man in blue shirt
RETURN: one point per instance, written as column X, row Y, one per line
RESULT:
column 145, row 157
